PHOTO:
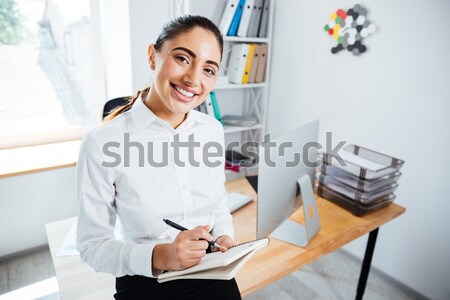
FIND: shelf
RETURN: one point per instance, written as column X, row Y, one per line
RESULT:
column 232, row 129
column 245, row 39
column 249, row 99
column 239, row 86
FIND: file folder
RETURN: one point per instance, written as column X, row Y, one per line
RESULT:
column 209, row 106
column 232, row 31
column 262, row 59
column 227, row 16
column 245, row 18
column 255, row 19
column 255, row 62
column 248, row 63
column 216, row 107
column 262, row 32
column 236, row 64
column 202, row 108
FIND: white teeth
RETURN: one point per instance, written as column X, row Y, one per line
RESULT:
column 185, row 93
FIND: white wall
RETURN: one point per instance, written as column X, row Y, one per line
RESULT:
column 116, row 47
column 394, row 99
column 129, row 27
column 30, row 201
column 146, row 20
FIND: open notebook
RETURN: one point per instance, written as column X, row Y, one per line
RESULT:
column 218, row 265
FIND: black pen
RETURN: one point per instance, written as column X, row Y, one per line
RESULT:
column 179, row 227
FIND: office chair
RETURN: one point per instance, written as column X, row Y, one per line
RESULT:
column 113, row 103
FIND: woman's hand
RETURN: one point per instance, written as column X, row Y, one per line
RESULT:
column 187, row 250
column 225, row 242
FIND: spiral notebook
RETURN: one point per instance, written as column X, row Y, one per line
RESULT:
column 218, row 265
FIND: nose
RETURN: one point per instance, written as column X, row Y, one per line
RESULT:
column 192, row 77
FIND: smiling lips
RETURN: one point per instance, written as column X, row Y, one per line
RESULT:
column 183, row 95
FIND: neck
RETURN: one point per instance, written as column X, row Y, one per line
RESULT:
column 152, row 101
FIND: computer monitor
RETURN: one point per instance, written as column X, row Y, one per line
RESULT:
column 285, row 182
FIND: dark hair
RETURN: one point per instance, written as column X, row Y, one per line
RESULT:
column 171, row 30
column 186, row 23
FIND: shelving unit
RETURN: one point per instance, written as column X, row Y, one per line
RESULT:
column 236, row 99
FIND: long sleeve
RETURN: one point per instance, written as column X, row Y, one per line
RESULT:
column 97, row 217
column 223, row 220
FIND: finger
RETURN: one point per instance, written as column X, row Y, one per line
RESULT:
column 189, row 257
column 197, row 245
column 224, row 248
column 196, row 254
column 199, row 233
column 189, row 262
column 226, row 244
column 194, row 261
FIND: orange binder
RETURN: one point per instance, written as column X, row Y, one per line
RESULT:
column 248, row 64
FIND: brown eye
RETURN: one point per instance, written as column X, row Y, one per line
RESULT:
column 182, row 59
column 210, row 72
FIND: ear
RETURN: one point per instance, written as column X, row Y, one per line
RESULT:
column 151, row 56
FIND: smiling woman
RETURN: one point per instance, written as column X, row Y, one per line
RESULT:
column 187, row 66
column 185, row 61
column 184, row 75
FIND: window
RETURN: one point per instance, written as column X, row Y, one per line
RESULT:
column 46, row 68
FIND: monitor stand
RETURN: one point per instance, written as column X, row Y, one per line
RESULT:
column 298, row 234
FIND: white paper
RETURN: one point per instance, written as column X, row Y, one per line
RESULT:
column 358, row 160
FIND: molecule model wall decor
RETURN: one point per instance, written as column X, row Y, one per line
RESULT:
column 349, row 28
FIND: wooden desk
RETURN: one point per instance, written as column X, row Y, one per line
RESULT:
column 338, row 227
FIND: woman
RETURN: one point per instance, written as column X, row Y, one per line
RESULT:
column 148, row 162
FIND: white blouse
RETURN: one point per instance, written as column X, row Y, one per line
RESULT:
column 117, row 175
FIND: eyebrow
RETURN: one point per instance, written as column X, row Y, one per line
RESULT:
column 195, row 56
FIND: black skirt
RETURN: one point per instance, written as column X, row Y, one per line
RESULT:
column 141, row 287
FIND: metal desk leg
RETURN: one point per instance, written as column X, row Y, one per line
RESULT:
column 366, row 264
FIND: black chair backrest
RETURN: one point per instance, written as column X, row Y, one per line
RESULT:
column 113, row 103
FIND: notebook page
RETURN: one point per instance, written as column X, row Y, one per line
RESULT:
column 226, row 272
column 219, row 259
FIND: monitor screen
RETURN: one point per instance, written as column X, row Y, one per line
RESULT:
column 282, row 162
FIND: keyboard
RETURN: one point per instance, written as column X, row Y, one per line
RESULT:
column 237, row 200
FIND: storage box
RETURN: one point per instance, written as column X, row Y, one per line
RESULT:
column 354, row 194
column 359, row 183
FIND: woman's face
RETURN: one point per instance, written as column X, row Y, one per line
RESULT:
column 185, row 71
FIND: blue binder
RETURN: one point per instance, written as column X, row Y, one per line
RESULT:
column 232, row 31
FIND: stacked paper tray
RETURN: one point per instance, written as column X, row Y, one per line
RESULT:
column 357, row 182
column 359, row 179
column 363, row 163
column 357, row 208
column 355, row 194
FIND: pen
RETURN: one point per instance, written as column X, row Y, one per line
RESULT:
column 179, row 227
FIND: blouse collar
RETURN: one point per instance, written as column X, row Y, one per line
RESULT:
column 144, row 116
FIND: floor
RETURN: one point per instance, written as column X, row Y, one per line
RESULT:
column 334, row 276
